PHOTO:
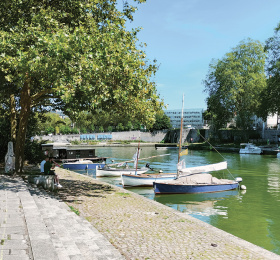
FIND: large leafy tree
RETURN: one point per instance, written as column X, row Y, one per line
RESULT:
column 234, row 84
column 162, row 122
column 271, row 94
column 75, row 55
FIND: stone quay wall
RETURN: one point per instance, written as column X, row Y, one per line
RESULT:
column 188, row 135
column 155, row 137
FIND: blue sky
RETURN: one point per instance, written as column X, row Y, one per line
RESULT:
column 185, row 35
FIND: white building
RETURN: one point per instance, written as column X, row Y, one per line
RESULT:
column 272, row 122
column 193, row 118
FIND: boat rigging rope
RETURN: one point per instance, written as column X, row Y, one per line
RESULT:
column 214, row 149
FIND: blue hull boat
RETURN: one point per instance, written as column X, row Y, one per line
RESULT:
column 83, row 165
column 197, row 180
column 165, row 188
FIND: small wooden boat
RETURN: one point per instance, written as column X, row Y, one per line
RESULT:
column 145, row 179
column 197, row 180
column 83, row 164
column 118, row 171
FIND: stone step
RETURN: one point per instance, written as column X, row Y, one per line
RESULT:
column 13, row 232
column 40, row 240
column 72, row 236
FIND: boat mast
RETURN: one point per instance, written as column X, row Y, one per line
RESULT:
column 181, row 130
column 137, row 157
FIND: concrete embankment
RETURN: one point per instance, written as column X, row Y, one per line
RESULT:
column 144, row 229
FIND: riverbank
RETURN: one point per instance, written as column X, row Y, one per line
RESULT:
column 227, row 148
column 143, row 229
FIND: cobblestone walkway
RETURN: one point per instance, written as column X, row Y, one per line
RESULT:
column 145, row 229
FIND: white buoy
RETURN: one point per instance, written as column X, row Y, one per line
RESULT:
column 243, row 187
column 238, row 179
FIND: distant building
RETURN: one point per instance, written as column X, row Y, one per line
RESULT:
column 192, row 118
column 60, row 113
column 272, row 122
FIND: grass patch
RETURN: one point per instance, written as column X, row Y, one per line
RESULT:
column 89, row 219
column 74, row 210
column 2, row 242
column 123, row 194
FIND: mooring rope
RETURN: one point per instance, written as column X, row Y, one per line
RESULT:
column 215, row 150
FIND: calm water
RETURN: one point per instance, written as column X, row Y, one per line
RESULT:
column 252, row 214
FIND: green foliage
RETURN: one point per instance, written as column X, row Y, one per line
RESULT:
column 33, row 151
column 47, row 123
column 49, row 130
column 74, row 55
column 120, row 127
column 87, row 121
column 137, row 125
column 75, row 131
column 83, row 130
column 129, row 126
column 271, row 94
column 162, row 122
column 5, row 133
column 64, row 129
column 234, row 84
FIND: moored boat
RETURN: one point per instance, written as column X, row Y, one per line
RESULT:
column 249, row 148
column 108, row 171
column 197, row 180
column 83, row 164
column 145, row 179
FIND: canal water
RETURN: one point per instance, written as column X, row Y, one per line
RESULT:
column 251, row 214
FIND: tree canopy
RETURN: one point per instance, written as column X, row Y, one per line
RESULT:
column 75, row 55
column 271, row 94
column 234, row 84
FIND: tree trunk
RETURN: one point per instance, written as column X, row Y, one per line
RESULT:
column 13, row 118
column 25, row 105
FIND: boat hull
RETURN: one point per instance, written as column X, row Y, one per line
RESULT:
column 165, row 188
column 145, row 180
column 250, row 149
column 82, row 166
column 114, row 172
column 255, row 151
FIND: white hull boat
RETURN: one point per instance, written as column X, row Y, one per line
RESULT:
column 114, row 172
column 133, row 180
column 249, row 148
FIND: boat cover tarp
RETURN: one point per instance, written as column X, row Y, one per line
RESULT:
column 204, row 178
column 206, row 168
column 196, row 179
